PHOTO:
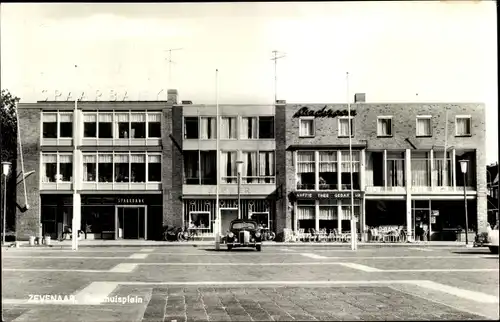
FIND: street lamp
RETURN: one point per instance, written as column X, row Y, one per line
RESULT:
column 463, row 168
column 5, row 170
column 239, row 166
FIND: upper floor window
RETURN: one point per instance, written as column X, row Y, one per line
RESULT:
column 384, row 126
column 137, row 126
column 191, row 128
column 306, row 127
column 228, row 168
column 261, row 127
column 257, row 167
column 57, row 167
column 105, row 125
column 208, row 128
column 306, row 169
column 344, row 126
column 266, row 127
column 424, row 125
column 228, row 128
column 154, row 125
column 123, row 128
column 463, row 125
column 126, row 125
column 57, row 125
column 200, row 167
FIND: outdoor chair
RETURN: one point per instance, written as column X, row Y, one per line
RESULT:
column 301, row 235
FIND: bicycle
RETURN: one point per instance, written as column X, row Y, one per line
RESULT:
column 267, row 234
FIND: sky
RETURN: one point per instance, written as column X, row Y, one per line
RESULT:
column 401, row 51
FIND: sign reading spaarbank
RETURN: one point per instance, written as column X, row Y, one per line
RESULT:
column 102, row 95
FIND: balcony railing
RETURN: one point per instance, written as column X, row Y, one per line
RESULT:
column 249, row 179
column 306, row 186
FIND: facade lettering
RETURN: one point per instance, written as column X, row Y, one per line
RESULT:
column 322, row 113
column 327, row 195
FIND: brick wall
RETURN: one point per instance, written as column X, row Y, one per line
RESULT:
column 27, row 223
column 404, row 126
column 283, row 214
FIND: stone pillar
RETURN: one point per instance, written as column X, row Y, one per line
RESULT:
column 362, row 175
column 316, row 215
column 409, row 221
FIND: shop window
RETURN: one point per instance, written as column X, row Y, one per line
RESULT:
column 191, row 128
column 191, row 167
column 123, row 125
column 344, row 126
column 105, row 127
column 49, row 167
column 121, row 168
column 463, row 125
column 137, row 125
column 384, row 126
column 306, row 170
column 306, row 127
column 266, row 127
column 89, row 125
column 89, row 167
column 207, row 128
column 154, row 125
column 66, row 167
column 266, row 167
column 65, row 125
column 228, row 127
column 138, row 168
column 424, row 125
column 49, row 126
column 154, row 168
column 328, row 179
column 105, row 168
column 249, row 129
column 228, row 167
column 199, row 220
column 345, row 168
column 306, row 210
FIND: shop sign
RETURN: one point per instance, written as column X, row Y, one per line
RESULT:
column 322, row 113
column 314, row 195
column 130, row 201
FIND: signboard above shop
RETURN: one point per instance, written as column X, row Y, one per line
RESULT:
column 319, row 195
column 322, row 113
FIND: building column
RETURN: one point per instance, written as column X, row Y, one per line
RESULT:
column 362, row 175
column 453, row 170
column 339, row 216
column 385, row 170
column 363, row 219
column 431, row 157
column 295, row 218
column 316, row 170
column 409, row 222
column 339, row 170
column 316, row 215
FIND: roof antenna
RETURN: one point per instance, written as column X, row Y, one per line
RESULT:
column 170, row 62
column 275, row 58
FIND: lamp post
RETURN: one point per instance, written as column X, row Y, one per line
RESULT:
column 239, row 165
column 463, row 168
column 5, row 170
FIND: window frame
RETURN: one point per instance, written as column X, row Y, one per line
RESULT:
column 385, row 117
column 423, row 117
column 199, row 127
column 311, row 119
column 147, row 124
column 469, row 117
column 339, row 119
column 58, row 155
column 237, row 131
column 184, row 129
column 274, row 127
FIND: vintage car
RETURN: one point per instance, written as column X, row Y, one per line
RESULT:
column 493, row 240
column 244, row 233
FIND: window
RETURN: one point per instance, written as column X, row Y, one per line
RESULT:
column 328, row 214
column 105, row 126
column 89, row 167
column 228, row 128
column 266, row 167
column 424, row 125
column 384, row 126
column 420, row 169
column 228, row 167
column 191, row 128
column 154, row 125
column 345, row 175
column 249, row 167
column 208, row 167
column 121, row 168
column 306, row 127
column 138, row 126
column 266, row 127
column 207, row 128
column 344, row 126
column 305, row 170
column 306, row 210
column 65, row 125
column 346, row 211
column 249, row 129
column 49, row 126
column 89, row 125
column 442, row 170
column 395, row 169
column 66, row 167
column 199, row 220
column 138, row 168
column 49, row 167
column 105, row 167
column 328, row 179
column 123, row 125
column 154, row 168
column 463, row 125
column 191, row 167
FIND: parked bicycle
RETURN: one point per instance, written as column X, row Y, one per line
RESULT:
column 267, row 234
column 187, row 234
column 171, row 233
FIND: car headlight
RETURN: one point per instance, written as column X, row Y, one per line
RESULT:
column 252, row 240
column 236, row 240
column 231, row 235
column 257, row 234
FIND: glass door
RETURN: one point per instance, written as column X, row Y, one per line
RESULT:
column 131, row 223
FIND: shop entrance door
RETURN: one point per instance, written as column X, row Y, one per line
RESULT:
column 421, row 220
column 226, row 216
column 131, row 222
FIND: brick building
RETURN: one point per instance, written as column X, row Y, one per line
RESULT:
column 128, row 168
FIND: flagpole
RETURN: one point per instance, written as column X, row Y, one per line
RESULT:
column 217, row 157
column 353, row 218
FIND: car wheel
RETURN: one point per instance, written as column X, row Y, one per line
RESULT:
column 494, row 249
column 229, row 247
column 258, row 248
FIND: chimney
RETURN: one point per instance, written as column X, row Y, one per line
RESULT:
column 172, row 96
column 359, row 98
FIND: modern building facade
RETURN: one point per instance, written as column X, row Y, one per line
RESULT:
column 127, row 169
